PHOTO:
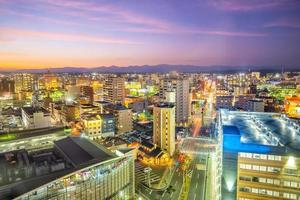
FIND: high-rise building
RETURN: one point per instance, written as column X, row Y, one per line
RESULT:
column 23, row 82
column 88, row 92
column 164, row 127
column 49, row 81
column 259, row 162
column 7, row 86
column 180, row 89
column 183, row 104
column 114, row 89
column 267, row 176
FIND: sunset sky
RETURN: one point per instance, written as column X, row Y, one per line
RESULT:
column 59, row 33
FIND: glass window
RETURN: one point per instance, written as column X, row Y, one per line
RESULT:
column 294, row 184
column 254, row 190
column 263, row 168
column 271, row 157
column 276, row 182
column 270, row 181
column 262, row 180
column 256, row 156
column 270, row 192
column 263, row 156
column 293, row 196
column 262, row 191
column 278, row 158
column 287, row 183
column 275, row 194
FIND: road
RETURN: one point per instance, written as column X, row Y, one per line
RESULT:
column 198, row 166
column 198, row 181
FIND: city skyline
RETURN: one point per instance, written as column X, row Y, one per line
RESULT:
column 44, row 34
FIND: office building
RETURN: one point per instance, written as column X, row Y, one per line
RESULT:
column 49, row 81
column 177, row 91
column 74, row 168
column 241, row 101
column 24, row 82
column 114, row 90
column 268, row 176
column 164, row 127
column 256, row 105
column 98, row 126
column 88, row 92
column 35, row 117
column 225, row 102
column 7, row 86
column 70, row 113
column 260, row 162
column 123, row 117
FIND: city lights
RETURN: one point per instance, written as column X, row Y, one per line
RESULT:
column 149, row 100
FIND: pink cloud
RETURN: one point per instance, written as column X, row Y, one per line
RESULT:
column 287, row 23
column 112, row 12
column 181, row 30
column 19, row 33
column 249, row 5
column 36, row 17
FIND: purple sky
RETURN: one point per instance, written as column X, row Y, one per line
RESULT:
column 57, row 33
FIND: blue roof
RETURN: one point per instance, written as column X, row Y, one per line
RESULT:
column 230, row 130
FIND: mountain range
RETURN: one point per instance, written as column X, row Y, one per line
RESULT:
column 162, row 68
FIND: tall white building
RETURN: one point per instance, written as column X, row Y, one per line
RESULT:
column 114, row 89
column 164, row 127
column 180, row 88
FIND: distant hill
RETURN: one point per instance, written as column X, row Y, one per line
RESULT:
column 162, row 68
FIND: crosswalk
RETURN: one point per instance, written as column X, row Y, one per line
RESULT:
column 140, row 175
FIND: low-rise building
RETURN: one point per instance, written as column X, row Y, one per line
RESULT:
column 292, row 106
column 98, row 126
column 36, row 117
column 123, row 118
column 225, row 102
column 256, row 105
column 70, row 113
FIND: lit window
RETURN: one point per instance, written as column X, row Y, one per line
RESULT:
column 271, row 157
column 263, row 168
column 270, row 181
column 262, row 180
column 254, row 190
column 276, row 182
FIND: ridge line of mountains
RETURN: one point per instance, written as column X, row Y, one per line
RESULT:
column 163, row 68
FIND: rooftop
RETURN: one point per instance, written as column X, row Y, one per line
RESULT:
column 68, row 155
column 165, row 105
column 32, row 110
column 80, row 151
column 266, row 129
